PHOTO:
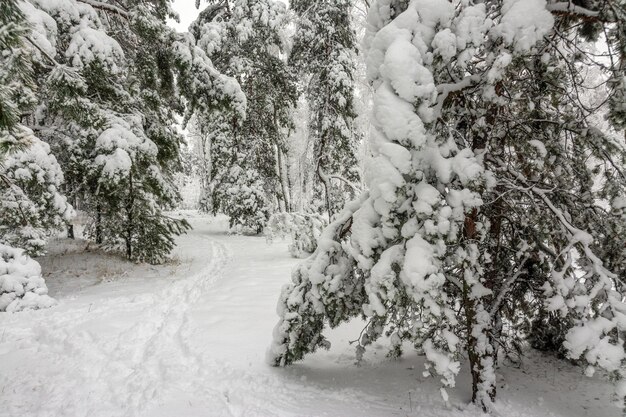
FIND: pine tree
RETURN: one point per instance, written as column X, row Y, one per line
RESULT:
column 31, row 203
column 483, row 203
column 245, row 41
column 115, row 77
column 16, row 82
column 31, row 206
column 323, row 53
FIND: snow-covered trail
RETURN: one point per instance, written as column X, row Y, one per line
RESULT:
column 193, row 344
column 234, row 323
column 104, row 354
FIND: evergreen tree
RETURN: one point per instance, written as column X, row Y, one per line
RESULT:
column 245, row 41
column 485, row 193
column 114, row 78
column 31, row 204
column 16, row 82
column 323, row 53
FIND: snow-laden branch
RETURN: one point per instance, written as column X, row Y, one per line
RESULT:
column 325, row 178
column 570, row 8
column 42, row 51
column 454, row 281
column 576, row 235
column 347, row 182
column 106, row 7
column 445, row 90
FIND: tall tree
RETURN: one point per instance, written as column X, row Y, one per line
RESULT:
column 489, row 193
column 31, row 203
column 324, row 52
column 114, row 78
column 245, row 40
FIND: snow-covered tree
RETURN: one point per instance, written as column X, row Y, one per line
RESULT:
column 245, row 40
column 114, row 77
column 324, row 53
column 487, row 193
column 31, row 203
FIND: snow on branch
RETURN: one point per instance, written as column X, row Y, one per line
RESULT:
column 106, row 7
column 570, row 8
column 354, row 187
column 42, row 51
column 576, row 235
column 446, row 89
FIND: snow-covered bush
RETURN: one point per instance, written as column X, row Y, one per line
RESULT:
column 303, row 228
column 244, row 201
column 21, row 284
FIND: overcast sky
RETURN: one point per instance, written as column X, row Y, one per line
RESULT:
column 187, row 11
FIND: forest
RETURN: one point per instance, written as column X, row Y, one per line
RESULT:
column 313, row 207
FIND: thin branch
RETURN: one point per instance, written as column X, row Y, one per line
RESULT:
column 348, row 183
column 445, row 90
column 44, row 53
column 505, row 288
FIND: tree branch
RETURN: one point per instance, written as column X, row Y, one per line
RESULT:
column 44, row 53
column 569, row 9
column 106, row 7
column 506, row 287
column 444, row 90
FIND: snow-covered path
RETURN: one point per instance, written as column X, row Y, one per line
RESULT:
column 193, row 344
column 104, row 357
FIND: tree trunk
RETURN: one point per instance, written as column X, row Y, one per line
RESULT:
column 474, row 358
column 481, row 355
column 283, row 174
column 280, row 197
column 130, row 219
column 98, row 224
column 324, row 180
column 478, row 326
column 70, row 190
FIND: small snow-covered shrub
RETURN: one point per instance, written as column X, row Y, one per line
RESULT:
column 303, row 228
column 242, row 197
column 21, row 285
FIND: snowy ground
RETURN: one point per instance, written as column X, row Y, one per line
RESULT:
column 189, row 338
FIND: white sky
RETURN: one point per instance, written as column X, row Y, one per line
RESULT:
column 187, row 11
